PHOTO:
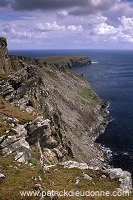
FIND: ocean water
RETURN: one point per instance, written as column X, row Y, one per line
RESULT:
column 111, row 77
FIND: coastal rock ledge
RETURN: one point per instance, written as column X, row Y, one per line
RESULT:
column 48, row 114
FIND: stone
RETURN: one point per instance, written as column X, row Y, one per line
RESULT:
column 77, row 180
column 123, row 176
column 17, row 146
column 2, row 176
column 30, row 110
column 73, row 164
column 103, row 177
column 87, row 177
column 19, row 130
column 38, row 187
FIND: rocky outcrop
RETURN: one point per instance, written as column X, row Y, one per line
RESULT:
column 5, row 63
column 124, row 177
column 16, row 144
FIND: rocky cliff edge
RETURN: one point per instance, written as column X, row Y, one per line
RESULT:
column 48, row 114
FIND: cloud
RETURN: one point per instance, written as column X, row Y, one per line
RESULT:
column 3, row 3
column 104, row 31
column 62, row 14
column 18, row 31
column 75, row 28
column 45, row 5
column 75, row 7
column 50, row 26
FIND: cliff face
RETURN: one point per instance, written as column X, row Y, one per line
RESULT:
column 46, row 90
column 5, row 63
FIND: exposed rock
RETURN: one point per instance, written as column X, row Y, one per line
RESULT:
column 73, row 164
column 30, row 110
column 16, row 145
column 38, row 187
column 123, row 176
column 87, row 177
column 5, row 63
column 103, row 177
column 2, row 176
column 77, row 180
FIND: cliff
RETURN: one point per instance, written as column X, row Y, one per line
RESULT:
column 68, row 61
column 48, row 114
column 5, row 62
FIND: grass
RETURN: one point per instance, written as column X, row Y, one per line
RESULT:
column 58, row 178
column 85, row 92
column 4, row 76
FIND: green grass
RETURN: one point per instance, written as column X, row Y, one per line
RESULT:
column 85, row 92
column 33, row 161
column 57, row 178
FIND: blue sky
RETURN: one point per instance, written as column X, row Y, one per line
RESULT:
column 67, row 24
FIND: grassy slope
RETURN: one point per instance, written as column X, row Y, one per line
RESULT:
column 57, row 178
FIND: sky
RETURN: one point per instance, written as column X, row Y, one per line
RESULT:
column 67, row 24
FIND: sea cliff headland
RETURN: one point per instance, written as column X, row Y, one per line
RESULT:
column 49, row 115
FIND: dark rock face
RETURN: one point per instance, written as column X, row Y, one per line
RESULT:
column 5, row 62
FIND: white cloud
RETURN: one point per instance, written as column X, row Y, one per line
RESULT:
column 18, row 31
column 104, row 29
column 50, row 26
column 62, row 13
column 127, row 23
column 75, row 28
column 123, row 32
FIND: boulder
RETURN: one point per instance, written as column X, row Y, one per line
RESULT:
column 16, row 144
column 2, row 176
column 73, row 164
column 87, row 177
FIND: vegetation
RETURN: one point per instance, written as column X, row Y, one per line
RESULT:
column 85, row 92
column 33, row 161
column 21, row 177
column 4, row 76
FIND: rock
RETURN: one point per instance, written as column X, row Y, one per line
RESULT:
column 16, row 145
column 30, row 110
column 2, row 176
column 20, row 130
column 123, row 176
column 39, row 178
column 77, row 180
column 73, row 164
column 9, row 120
column 5, row 62
column 38, row 187
column 87, row 177
column 5, row 88
column 103, row 177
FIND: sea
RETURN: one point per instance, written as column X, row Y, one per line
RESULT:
column 111, row 77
